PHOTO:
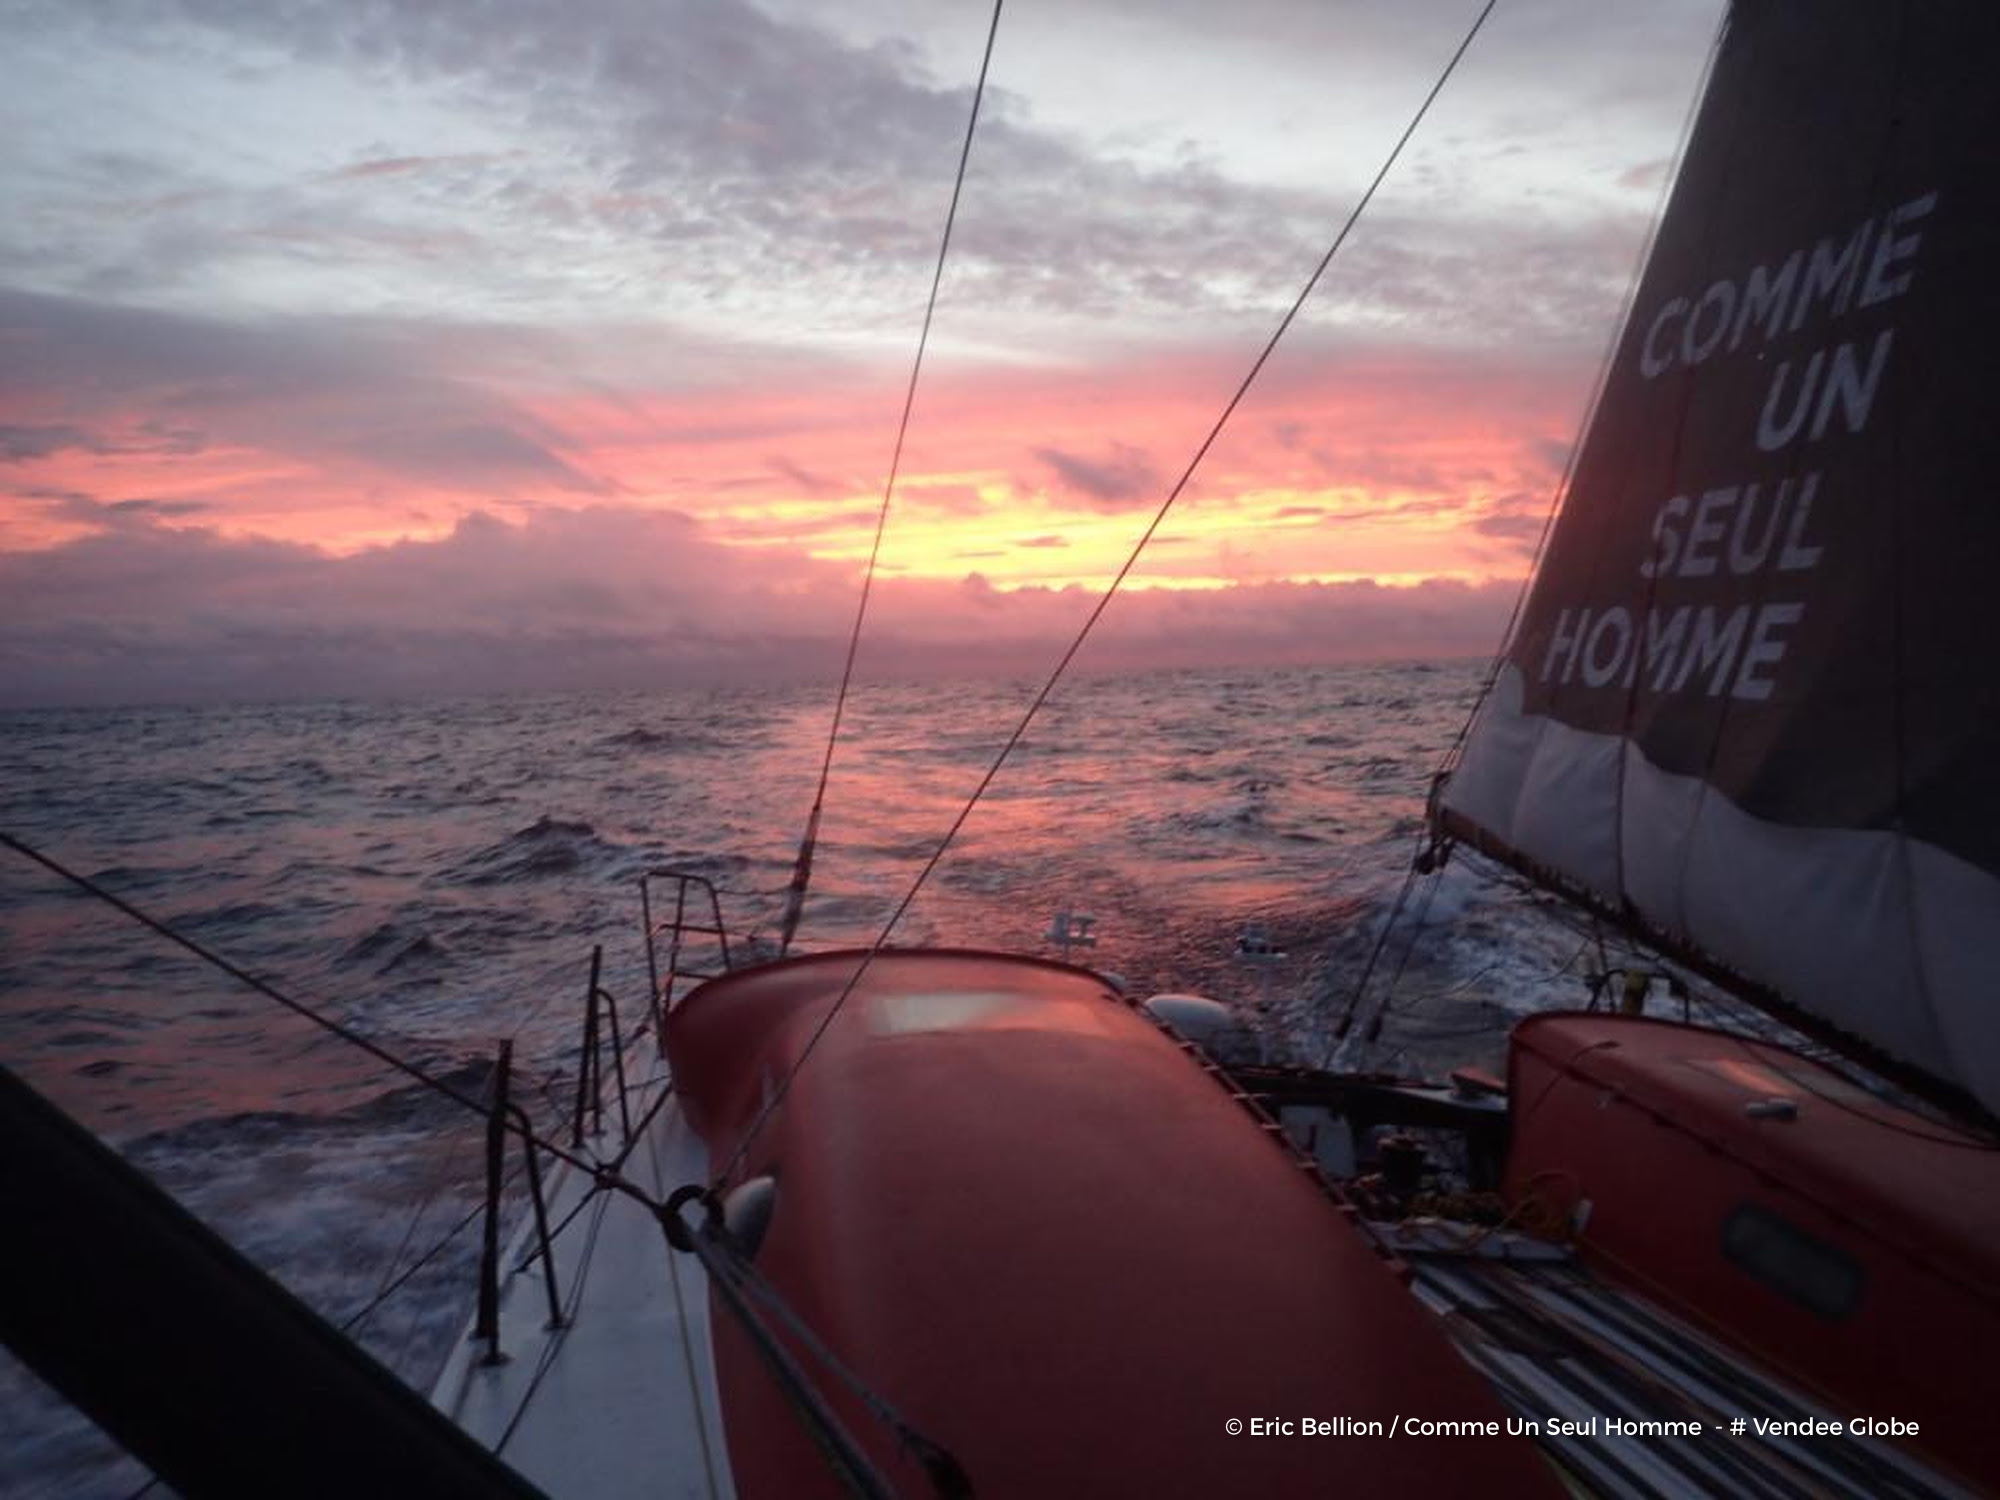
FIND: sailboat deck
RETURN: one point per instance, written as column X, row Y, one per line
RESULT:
column 621, row 1399
column 1560, row 1345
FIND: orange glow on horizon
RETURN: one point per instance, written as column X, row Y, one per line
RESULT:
column 1025, row 479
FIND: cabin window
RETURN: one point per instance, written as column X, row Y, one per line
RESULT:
column 1801, row 1266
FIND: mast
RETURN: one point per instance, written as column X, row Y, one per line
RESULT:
column 1751, row 710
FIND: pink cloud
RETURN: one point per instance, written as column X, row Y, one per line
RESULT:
column 204, row 508
column 611, row 596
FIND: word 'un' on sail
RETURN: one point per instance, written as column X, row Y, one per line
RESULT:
column 1752, row 702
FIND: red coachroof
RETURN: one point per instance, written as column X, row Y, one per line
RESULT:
column 1044, row 1233
column 1846, row 1243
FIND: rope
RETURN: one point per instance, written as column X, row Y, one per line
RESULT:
column 795, row 895
column 390, row 1280
column 1946, row 1134
column 382, row 1295
column 947, row 1475
column 1409, row 949
column 1450, row 759
column 784, row 1084
column 402, row 1279
column 1448, row 763
column 559, row 1333
column 739, row 1283
column 1346, row 1021
column 306, row 1012
column 605, row 1175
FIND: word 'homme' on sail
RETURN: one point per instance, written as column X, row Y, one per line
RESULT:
column 1751, row 704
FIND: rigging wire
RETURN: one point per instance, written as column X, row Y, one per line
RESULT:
column 318, row 1018
column 1409, row 950
column 1430, row 839
column 795, row 894
column 1945, row 1133
column 940, row 1465
column 783, row 1086
column 352, row 1324
column 597, row 1188
column 558, row 1334
column 1560, row 493
column 1434, row 845
column 1751, row 1028
column 1353, row 1006
column 390, row 1280
column 403, row 1277
column 743, row 1291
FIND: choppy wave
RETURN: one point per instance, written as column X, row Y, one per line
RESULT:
column 388, row 948
column 548, row 846
column 437, row 875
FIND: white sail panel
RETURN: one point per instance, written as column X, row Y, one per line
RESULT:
column 1888, row 938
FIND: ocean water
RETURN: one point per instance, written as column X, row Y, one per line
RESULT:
column 436, row 875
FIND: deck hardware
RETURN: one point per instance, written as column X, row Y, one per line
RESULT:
column 502, row 1116
column 1255, row 947
column 666, row 977
column 1778, row 1107
column 487, row 1325
column 590, row 1062
column 1069, row 930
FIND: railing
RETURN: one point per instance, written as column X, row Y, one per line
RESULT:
column 590, row 1063
column 503, row 1114
column 667, row 976
column 692, row 924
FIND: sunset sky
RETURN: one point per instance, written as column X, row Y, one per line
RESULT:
column 359, row 347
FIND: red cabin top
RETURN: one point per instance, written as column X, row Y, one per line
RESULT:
column 1847, row 1243
column 1052, row 1240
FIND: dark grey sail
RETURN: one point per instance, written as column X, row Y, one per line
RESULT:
column 1752, row 706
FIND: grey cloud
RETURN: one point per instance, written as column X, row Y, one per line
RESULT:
column 1648, row 174
column 145, row 610
column 1114, row 482
column 1553, row 454
column 19, row 444
column 397, row 166
column 1517, row 519
column 797, row 529
column 604, row 597
column 374, row 394
column 149, row 508
column 719, row 154
column 1509, row 528
column 465, row 453
column 81, row 509
column 808, row 482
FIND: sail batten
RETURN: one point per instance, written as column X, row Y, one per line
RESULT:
column 1753, row 703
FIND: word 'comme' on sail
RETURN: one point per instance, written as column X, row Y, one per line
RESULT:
column 1754, row 527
